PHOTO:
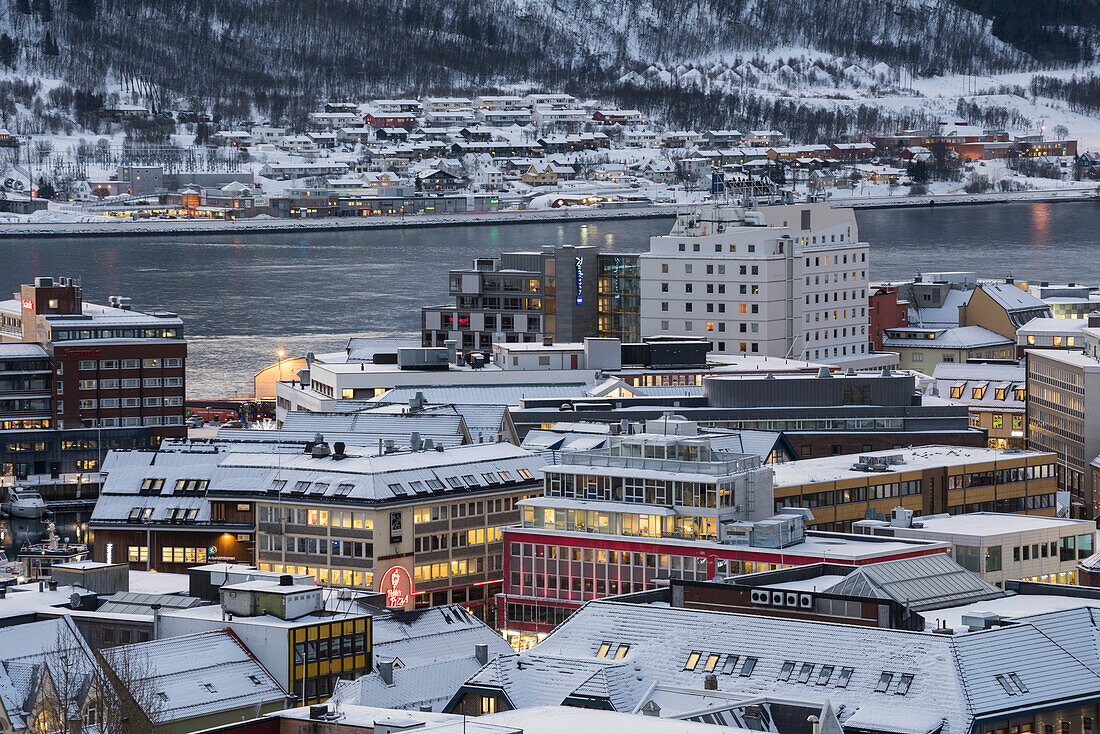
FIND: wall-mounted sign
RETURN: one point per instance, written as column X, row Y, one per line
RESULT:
column 81, row 353
column 397, row 585
column 28, row 304
column 580, row 280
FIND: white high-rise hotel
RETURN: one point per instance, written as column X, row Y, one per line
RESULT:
column 782, row 281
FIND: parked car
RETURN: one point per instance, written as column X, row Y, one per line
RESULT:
column 195, row 421
column 232, row 424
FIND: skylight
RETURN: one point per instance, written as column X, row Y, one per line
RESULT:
column 748, row 666
column 845, row 676
column 786, row 670
column 712, row 661
column 904, row 683
column 622, row 651
column 1019, row 683
column 805, row 672
column 604, row 647
column 824, row 675
column 692, row 661
column 883, row 682
column 730, row 665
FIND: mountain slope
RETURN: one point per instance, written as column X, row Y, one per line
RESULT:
column 277, row 58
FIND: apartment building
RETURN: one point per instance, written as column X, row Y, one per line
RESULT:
column 782, row 281
column 842, row 490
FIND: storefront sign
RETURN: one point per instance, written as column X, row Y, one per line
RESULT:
column 81, row 353
column 397, row 585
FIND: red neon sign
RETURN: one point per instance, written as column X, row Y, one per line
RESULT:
column 28, row 304
column 397, row 585
column 81, row 352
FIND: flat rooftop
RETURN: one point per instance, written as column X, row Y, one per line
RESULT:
column 997, row 523
column 818, row 546
column 837, row 468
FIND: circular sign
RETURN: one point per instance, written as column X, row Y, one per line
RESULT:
column 397, row 585
column 212, row 550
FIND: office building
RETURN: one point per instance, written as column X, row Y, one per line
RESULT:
column 421, row 521
column 669, row 502
column 114, row 367
column 1063, row 417
column 999, row 546
column 821, row 413
column 556, row 294
column 78, row 380
column 926, row 480
column 782, row 281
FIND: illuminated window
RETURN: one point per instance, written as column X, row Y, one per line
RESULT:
column 692, row 661
column 488, row 705
column 1070, row 341
column 957, row 390
column 602, row 652
column 348, row 393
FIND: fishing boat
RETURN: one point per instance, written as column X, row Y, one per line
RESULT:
column 38, row 558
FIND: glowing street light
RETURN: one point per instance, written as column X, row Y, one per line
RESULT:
column 280, row 354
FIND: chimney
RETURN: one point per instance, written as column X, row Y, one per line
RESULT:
column 710, row 682
column 815, row 723
column 481, row 652
column 286, row 580
column 429, row 444
column 414, row 441
column 52, row 583
column 385, row 669
column 156, row 620
column 338, row 450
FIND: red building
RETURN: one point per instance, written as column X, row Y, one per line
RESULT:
column 113, row 367
column 886, row 312
column 394, row 119
column 550, row 574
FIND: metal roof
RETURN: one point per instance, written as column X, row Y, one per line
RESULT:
column 921, row 583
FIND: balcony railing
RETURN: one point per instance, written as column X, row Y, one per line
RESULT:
column 602, row 458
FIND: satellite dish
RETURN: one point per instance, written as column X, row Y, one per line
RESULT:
column 9, row 182
column 18, row 186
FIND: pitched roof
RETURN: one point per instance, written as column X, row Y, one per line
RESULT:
column 436, row 648
column 921, row 583
column 196, row 675
column 899, row 681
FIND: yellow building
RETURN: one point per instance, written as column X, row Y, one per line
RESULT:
column 840, row 490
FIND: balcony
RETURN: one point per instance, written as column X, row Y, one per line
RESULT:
column 672, row 466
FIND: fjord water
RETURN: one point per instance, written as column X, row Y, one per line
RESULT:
column 244, row 296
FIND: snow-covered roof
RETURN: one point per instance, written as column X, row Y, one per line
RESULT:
column 1012, row 298
column 893, row 681
column 959, row 337
column 195, row 675
column 838, row 468
column 18, row 350
column 993, row 524
column 436, row 650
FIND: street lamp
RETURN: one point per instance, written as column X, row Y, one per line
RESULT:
column 280, row 354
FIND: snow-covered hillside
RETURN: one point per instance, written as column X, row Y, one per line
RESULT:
column 813, row 67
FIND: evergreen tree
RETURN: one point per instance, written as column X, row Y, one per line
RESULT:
column 84, row 10
column 918, row 171
column 45, row 189
column 44, row 10
column 49, row 46
column 8, row 50
column 23, row 6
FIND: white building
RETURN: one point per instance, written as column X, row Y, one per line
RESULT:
column 782, row 281
column 1000, row 546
